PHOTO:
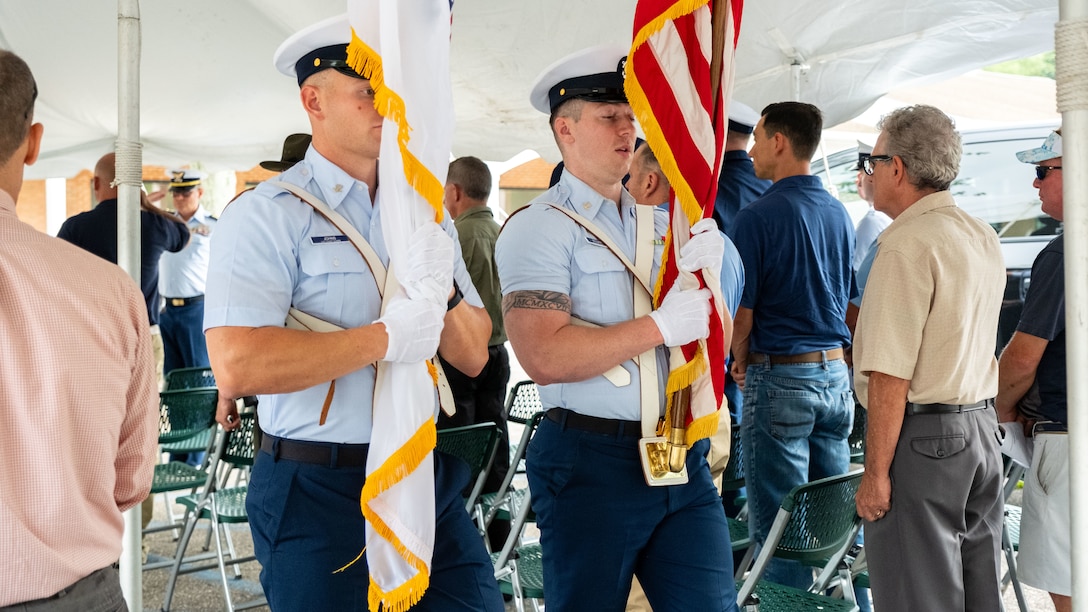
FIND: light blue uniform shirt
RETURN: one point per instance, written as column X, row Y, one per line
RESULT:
column 542, row 249
column 870, row 226
column 272, row 251
column 183, row 274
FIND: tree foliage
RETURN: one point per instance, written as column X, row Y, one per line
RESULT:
column 1037, row 65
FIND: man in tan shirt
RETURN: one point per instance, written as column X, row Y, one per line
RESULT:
column 925, row 369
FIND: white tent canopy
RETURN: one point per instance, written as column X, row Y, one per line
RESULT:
column 210, row 94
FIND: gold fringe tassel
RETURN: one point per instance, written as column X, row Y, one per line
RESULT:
column 702, row 427
column 401, row 598
column 390, row 105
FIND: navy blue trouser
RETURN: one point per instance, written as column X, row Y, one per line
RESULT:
column 183, row 337
column 600, row 523
column 184, row 347
column 306, row 523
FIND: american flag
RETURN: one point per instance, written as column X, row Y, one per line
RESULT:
column 679, row 81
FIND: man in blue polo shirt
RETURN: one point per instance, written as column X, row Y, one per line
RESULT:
column 789, row 335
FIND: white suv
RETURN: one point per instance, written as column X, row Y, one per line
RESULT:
column 993, row 186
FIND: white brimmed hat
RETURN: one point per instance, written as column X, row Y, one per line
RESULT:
column 593, row 74
column 321, row 46
column 742, row 118
column 182, row 179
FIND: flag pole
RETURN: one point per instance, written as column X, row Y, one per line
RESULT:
column 676, row 446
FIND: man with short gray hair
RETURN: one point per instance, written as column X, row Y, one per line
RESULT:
column 925, row 369
column 480, row 398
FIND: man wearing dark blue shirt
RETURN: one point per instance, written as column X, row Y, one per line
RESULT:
column 96, row 231
column 1035, row 356
column 790, row 334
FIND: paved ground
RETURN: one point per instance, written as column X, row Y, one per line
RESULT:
column 203, row 592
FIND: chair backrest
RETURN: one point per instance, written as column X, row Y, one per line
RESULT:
column 473, row 444
column 857, row 434
column 476, row 445
column 733, row 476
column 189, row 378
column 815, row 525
column 186, row 412
column 239, row 448
column 523, row 402
column 822, row 516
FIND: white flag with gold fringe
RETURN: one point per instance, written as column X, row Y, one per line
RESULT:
column 404, row 47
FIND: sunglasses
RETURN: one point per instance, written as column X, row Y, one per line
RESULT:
column 1042, row 171
column 868, row 166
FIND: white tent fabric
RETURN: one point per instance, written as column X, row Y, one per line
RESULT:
column 210, row 94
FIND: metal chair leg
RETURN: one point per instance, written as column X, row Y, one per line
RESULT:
column 1010, row 559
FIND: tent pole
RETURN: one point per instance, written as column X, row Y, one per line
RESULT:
column 129, row 176
column 1071, row 51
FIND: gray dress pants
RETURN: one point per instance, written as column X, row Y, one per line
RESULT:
column 938, row 547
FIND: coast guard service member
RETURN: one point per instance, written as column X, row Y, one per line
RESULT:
column 273, row 251
column 600, row 522
column 182, row 277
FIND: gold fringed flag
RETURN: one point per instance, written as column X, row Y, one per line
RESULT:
column 679, row 81
column 404, row 47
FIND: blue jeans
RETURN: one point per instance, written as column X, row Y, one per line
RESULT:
column 797, row 418
column 600, row 523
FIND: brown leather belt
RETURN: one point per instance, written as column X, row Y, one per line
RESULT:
column 813, row 357
column 317, row 453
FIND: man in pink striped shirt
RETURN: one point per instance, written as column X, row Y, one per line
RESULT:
column 78, row 409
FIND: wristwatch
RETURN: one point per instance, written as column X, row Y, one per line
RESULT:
column 456, row 299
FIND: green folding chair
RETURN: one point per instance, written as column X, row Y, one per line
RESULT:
column 519, row 566
column 476, row 445
column 857, row 435
column 522, row 404
column 189, row 378
column 733, row 480
column 522, row 408
column 502, row 503
column 181, row 379
column 1010, row 532
column 816, row 525
column 222, row 505
column 182, row 414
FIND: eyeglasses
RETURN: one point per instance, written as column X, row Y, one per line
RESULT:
column 1042, row 171
column 868, row 166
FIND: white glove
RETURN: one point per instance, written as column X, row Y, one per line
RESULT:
column 414, row 327
column 429, row 273
column 684, row 316
column 705, row 249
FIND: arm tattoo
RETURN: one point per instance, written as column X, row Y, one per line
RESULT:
column 536, row 300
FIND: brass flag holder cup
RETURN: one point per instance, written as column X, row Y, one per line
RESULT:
column 664, row 458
